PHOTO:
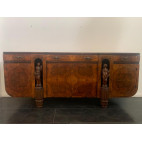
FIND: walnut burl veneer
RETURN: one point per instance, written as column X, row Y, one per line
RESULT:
column 84, row 75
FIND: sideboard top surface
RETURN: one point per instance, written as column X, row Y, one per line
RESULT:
column 75, row 53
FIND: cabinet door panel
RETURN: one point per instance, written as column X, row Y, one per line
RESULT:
column 18, row 79
column 58, row 79
column 85, row 76
column 125, row 80
column 71, row 79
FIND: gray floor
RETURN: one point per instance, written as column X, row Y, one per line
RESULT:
column 70, row 111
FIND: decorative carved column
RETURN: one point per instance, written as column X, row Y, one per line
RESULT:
column 38, row 85
column 38, row 74
column 39, row 96
column 104, row 96
column 105, row 86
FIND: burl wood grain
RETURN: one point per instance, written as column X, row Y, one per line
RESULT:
column 71, row 79
column 71, row 75
column 125, row 80
column 18, row 81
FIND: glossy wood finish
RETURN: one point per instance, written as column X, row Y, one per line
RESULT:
column 71, row 79
column 17, row 57
column 127, row 58
column 125, row 80
column 84, row 57
column 71, row 75
column 18, row 81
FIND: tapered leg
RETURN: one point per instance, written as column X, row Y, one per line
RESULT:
column 39, row 103
column 104, row 103
column 104, row 96
column 39, row 97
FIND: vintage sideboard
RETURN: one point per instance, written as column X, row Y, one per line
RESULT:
column 78, row 75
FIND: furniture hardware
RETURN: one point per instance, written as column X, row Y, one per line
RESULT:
column 87, row 58
column 124, row 58
column 19, row 57
column 56, row 57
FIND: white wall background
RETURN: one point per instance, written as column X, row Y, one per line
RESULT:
column 70, row 35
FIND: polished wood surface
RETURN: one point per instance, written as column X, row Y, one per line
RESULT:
column 17, row 57
column 71, row 79
column 82, row 75
column 125, row 80
column 18, row 81
column 72, row 57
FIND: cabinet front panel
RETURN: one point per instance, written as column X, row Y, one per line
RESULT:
column 85, row 76
column 58, row 83
column 18, row 79
column 125, row 80
column 71, row 79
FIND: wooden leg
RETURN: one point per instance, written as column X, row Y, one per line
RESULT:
column 39, row 103
column 39, row 97
column 104, row 96
column 104, row 103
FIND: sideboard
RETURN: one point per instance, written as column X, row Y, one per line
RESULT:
column 78, row 75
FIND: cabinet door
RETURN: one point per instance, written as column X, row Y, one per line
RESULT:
column 84, row 80
column 58, row 79
column 18, row 79
column 71, row 79
column 125, row 80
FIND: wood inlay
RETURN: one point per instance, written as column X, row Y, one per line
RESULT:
column 68, row 79
column 125, row 80
column 71, row 75
column 18, row 79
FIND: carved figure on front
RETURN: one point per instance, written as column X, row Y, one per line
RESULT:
column 38, row 71
column 105, row 75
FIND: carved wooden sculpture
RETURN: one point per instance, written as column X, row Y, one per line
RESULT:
column 105, row 75
column 76, row 75
column 38, row 71
column 104, row 88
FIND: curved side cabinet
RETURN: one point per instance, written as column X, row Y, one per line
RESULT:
column 71, row 75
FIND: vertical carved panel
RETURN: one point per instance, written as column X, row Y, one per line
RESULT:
column 105, row 73
column 38, row 73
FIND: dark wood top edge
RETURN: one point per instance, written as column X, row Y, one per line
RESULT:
column 74, row 53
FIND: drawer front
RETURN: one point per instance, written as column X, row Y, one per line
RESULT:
column 17, row 57
column 72, row 58
column 58, row 58
column 86, row 58
column 127, row 58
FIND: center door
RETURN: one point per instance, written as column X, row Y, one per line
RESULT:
column 71, row 79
